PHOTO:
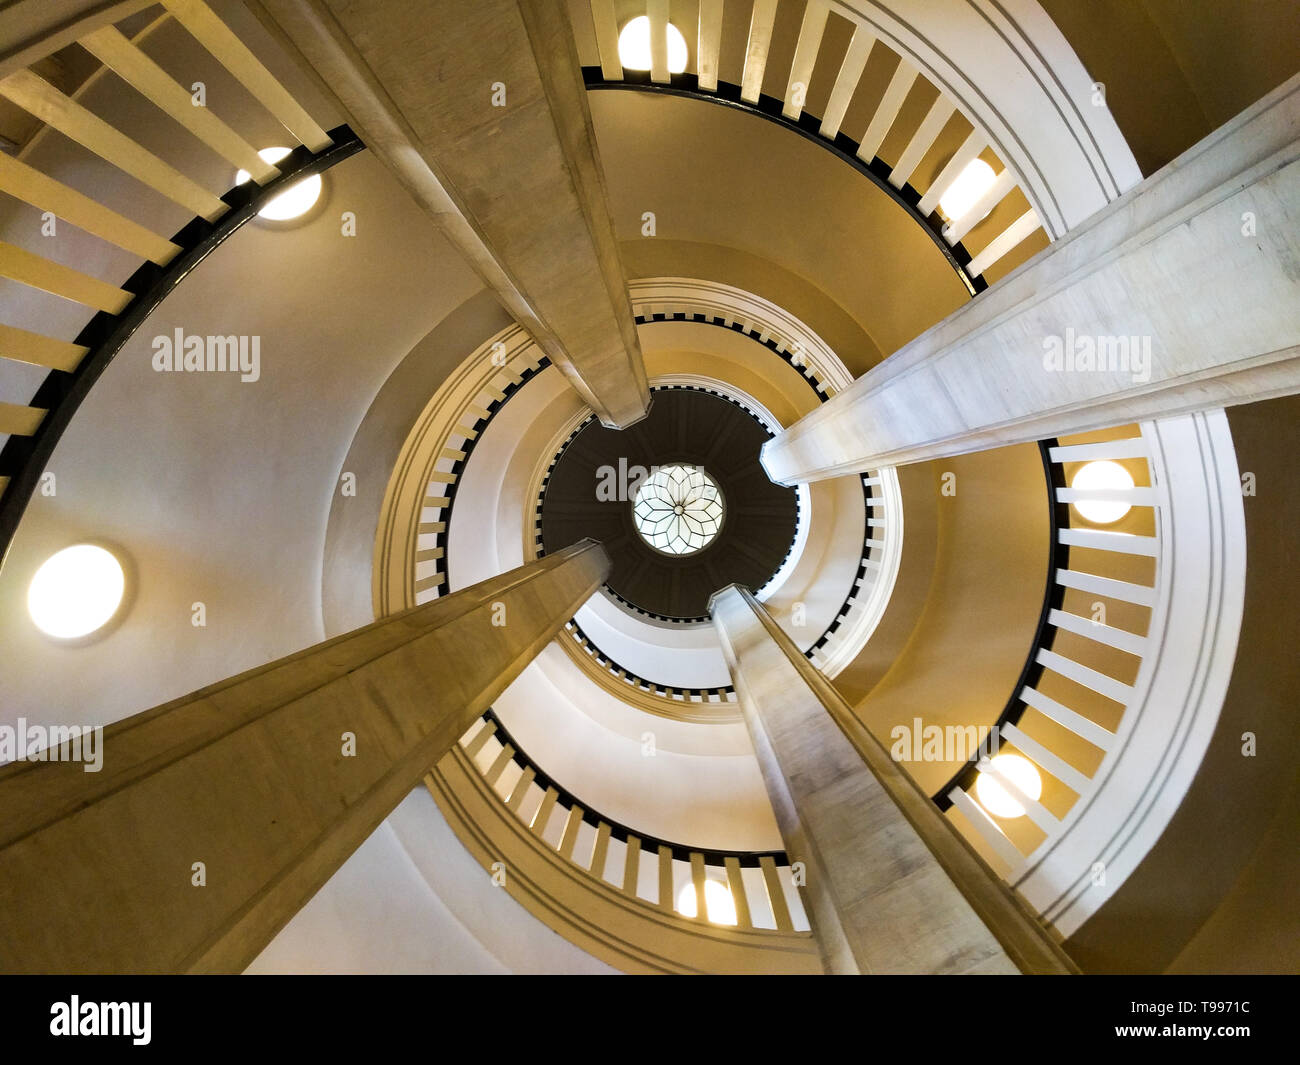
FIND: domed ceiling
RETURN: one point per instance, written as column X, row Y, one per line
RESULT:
column 687, row 547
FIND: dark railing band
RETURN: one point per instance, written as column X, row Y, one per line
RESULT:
column 1058, row 558
column 620, row 832
column 636, row 681
column 24, row 458
column 807, row 126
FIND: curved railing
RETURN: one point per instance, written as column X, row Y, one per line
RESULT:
column 643, row 903
column 873, row 547
column 493, row 374
column 34, row 425
column 725, row 694
column 768, row 899
column 898, row 178
column 429, row 569
column 1078, row 678
column 1123, row 687
column 964, row 779
column 660, row 300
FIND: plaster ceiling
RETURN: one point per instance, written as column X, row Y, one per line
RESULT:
column 714, row 176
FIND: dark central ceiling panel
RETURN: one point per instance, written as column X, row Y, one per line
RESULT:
column 692, row 427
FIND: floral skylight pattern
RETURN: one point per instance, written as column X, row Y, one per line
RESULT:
column 678, row 509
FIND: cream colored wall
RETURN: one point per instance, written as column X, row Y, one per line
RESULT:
column 717, row 177
column 347, row 599
column 1176, row 71
column 982, row 600
column 1256, row 928
column 911, row 589
column 666, row 257
column 216, row 490
column 413, row 900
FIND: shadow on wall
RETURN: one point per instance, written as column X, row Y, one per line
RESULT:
column 967, row 602
column 1174, row 72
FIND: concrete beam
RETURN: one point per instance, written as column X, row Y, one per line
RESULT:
column 1182, row 295
column 891, row 886
column 253, row 778
column 480, row 112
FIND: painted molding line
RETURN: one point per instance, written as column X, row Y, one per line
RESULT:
column 412, row 526
column 775, row 326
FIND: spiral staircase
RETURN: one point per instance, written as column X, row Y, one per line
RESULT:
column 442, row 418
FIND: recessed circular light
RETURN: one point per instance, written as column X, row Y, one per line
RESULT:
column 296, row 200
column 76, row 591
column 634, row 46
column 718, row 902
column 996, row 799
column 975, row 179
column 1102, row 475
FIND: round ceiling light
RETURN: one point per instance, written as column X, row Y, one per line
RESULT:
column 634, row 46
column 76, row 591
column 296, row 200
column 996, row 799
column 717, row 901
column 1106, row 476
column 678, row 510
column 975, row 179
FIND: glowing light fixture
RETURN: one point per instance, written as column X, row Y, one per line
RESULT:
column 1102, row 475
column 678, row 510
column 996, row 799
column 296, row 200
column 718, row 902
column 976, row 178
column 634, row 46
column 76, row 591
